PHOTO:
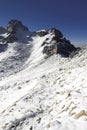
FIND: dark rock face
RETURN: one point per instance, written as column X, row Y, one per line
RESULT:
column 42, row 33
column 56, row 33
column 65, row 49
column 53, row 31
column 75, row 53
column 58, row 44
column 10, row 39
column 50, row 50
column 12, row 29
column 14, row 25
column 54, row 43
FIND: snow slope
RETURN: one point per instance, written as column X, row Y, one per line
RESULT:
column 42, row 94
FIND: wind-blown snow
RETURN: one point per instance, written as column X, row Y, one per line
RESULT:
column 42, row 94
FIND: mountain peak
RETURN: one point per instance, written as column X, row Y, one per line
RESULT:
column 56, row 32
column 40, row 89
column 52, row 40
column 16, row 31
column 14, row 25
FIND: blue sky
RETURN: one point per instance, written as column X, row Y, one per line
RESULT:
column 70, row 16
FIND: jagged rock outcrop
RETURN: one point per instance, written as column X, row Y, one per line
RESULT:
column 56, row 33
column 55, row 42
column 58, row 44
column 50, row 50
column 15, row 29
column 65, row 47
column 42, row 33
column 14, row 25
column 10, row 39
column 53, row 31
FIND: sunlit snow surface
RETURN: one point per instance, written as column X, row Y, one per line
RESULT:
column 42, row 94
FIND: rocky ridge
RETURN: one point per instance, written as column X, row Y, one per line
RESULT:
column 40, row 89
column 55, row 43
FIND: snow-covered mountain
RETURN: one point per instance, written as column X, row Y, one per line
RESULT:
column 42, row 80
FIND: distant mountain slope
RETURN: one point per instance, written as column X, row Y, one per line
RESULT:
column 18, row 45
column 43, row 84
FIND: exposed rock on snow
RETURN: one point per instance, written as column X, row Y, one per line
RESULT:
column 16, row 32
column 42, row 33
column 10, row 39
column 65, row 48
column 14, row 25
column 38, row 93
column 56, row 33
column 57, row 44
column 54, row 43
column 50, row 49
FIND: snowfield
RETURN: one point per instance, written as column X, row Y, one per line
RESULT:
column 38, row 93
